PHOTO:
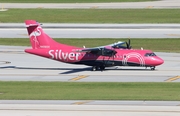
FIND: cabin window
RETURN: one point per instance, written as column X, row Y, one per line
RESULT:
column 150, row 54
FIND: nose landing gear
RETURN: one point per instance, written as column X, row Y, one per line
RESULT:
column 152, row 67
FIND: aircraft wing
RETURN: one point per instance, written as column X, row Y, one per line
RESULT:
column 99, row 51
column 107, row 50
column 117, row 44
column 90, row 50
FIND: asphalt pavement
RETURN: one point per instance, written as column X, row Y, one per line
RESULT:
column 171, row 4
column 13, row 30
column 13, row 63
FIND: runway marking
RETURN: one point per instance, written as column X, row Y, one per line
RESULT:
column 24, row 34
column 81, row 102
column 94, row 7
column 150, row 6
column 79, row 77
column 28, row 74
column 173, row 34
column 172, row 79
column 40, row 7
column 18, row 52
column 5, row 62
column 170, row 70
column 173, row 60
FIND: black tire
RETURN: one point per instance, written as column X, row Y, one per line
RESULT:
column 102, row 67
column 94, row 68
column 153, row 68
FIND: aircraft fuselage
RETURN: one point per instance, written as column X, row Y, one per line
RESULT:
column 123, row 57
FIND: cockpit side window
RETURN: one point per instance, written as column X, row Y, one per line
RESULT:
column 150, row 54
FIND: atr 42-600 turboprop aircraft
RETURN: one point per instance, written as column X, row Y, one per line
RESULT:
column 98, row 57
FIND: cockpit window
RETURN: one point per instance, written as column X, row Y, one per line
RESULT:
column 150, row 54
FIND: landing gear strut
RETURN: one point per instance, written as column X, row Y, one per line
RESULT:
column 102, row 68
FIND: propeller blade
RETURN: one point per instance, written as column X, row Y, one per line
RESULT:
column 129, row 44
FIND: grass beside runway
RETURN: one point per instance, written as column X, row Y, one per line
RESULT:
column 89, row 91
column 158, row 45
column 70, row 1
column 91, row 15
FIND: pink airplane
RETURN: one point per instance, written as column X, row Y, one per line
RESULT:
column 98, row 57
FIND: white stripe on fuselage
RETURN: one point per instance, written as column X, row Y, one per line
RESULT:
column 133, row 55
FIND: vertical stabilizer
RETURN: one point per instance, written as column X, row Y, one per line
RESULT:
column 38, row 38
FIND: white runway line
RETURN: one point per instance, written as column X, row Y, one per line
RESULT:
column 88, row 110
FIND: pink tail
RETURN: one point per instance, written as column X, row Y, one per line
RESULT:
column 38, row 38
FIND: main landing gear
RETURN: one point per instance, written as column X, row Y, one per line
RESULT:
column 152, row 67
column 95, row 68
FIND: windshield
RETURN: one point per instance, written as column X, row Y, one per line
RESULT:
column 150, row 54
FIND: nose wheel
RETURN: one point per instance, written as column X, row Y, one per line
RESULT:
column 152, row 67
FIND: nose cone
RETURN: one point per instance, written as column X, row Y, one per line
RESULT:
column 159, row 61
column 156, row 61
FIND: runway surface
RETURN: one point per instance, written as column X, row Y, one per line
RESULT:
column 152, row 4
column 15, row 65
column 95, row 30
column 88, row 110
column 93, row 102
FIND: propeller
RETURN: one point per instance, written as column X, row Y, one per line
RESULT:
column 128, row 44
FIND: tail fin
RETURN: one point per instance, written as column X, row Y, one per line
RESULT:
column 38, row 38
